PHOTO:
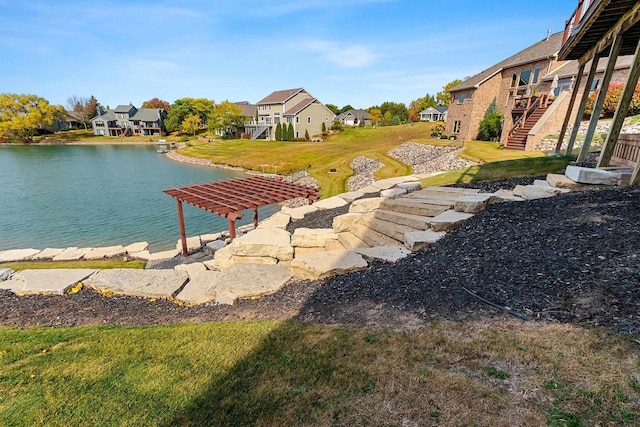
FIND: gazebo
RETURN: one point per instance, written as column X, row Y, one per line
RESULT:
column 229, row 198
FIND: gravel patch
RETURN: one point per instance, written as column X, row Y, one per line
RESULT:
column 427, row 159
column 363, row 170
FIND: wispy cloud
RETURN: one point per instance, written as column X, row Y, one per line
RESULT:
column 342, row 54
column 286, row 7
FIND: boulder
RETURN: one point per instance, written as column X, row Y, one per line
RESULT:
column 222, row 259
column 142, row 255
column 326, row 264
column 416, row 240
column 384, row 253
column 344, row 222
column 532, row 192
column 17, row 254
column 330, row 203
column 448, row 220
column 268, row 242
column 393, row 193
column 366, row 205
column 45, row 282
column 312, row 237
column 143, row 283
column 584, row 175
column 137, row 247
column 106, row 252
column 193, row 244
column 473, row 203
column 239, row 281
column 201, row 288
column 277, row 220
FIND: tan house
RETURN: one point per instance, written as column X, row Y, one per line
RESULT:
column 294, row 106
column 531, row 90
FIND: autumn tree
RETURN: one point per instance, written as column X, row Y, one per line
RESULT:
column 226, row 118
column 444, row 97
column 22, row 115
column 191, row 124
column 83, row 109
column 387, row 118
column 420, row 104
column 184, row 107
column 375, row 115
column 156, row 103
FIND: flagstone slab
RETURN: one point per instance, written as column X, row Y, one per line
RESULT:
column 366, row 205
column 533, row 192
column 561, row 181
column 72, row 254
column 473, row 203
column 5, row 273
column 414, row 221
column 330, row 203
column 416, row 240
column 17, row 254
column 172, row 253
column 448, row 220
column 303, row 251
column 143, row 255
column 137, row 247
column 393, row 193
column 253, row 260
column 410, row 186
column 584, row 175
column 277, row 220
column 369, row 189
column 312, row 237
column 47, row 253
column 211, row 247
column 201, row 288
column 268, row 242
column 239, row 281
column 326, row 264
column 344, row 222
column 222, row 259
column 506, row 196
column 143, row 283
column 299, row 212
column 191, row 268
column 334, row 245
column 384, row 253
column 350, row 196
column 350, row 241
column 46, row 281
column 106, row 252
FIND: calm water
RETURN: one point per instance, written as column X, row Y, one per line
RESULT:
column 86, row 196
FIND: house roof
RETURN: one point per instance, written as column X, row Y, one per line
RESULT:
column 147, row 114
column 569, row 69
column 123, row 108
column 442, row 109
column 72, row 115
column 108, row 116
column 546, row 48
column 248, row 109
column 359, row 114
column 439, row 110
column 300, row 106
column 280, row 96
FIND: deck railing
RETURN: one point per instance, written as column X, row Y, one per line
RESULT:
column 627, row 150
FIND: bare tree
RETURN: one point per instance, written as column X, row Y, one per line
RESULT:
column 84, row 109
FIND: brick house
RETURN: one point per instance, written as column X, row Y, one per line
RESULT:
column 294, row 106
column 522, row 88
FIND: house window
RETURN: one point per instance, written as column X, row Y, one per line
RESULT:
column 461, row 98
column 470, row 95
column 309, row 119
column 288, row 119
column 456, row 126
column 525, row 75
column 594, row 85
column 514, row 80
column 297, row 134
column 268, row 120
column 297, row 119
column 536, row 74
column 276, row 120
column 99, row 124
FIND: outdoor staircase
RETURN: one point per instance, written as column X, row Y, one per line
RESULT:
column 258, row 131
column 517, row 139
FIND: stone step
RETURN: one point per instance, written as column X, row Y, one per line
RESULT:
column 449, row 190
column 390, row 229
column 143, row 283
column 414, row 221
column 326, row 264
column 443, row 199
column 45, row 282
column 372, row 237
column 414, row 207
column 350, row 241
column 449, row 220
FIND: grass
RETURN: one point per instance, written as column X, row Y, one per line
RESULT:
column 98, row 264
column 287, row 373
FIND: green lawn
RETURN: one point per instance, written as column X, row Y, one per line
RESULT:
column 98, row 264
column 270, row 373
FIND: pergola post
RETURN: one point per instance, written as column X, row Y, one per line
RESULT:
column 572, row 102
column 604, row 88
column 255, row 217
column 232, row 229
column 621, row 112
column 583, row 103
column 183, row 233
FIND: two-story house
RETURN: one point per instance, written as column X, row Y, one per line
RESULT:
column 126, row 120
column 294, row 106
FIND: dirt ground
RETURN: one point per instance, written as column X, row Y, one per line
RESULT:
column 572, row 258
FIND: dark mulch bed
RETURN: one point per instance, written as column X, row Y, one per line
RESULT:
column 572, row 258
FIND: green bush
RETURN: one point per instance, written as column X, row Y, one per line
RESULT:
column 444, row 136
column 491, row 125
column 183, row 138
column 336, row 125
column 306, row 135
column 437, row 130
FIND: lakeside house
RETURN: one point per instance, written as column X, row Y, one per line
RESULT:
column 354, row 118
column 127, row 120
column 295, row 106
column 531, row 90
column 434, row 114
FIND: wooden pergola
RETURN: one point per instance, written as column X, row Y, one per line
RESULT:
column 229, row 198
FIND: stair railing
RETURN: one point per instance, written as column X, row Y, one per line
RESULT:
column 522, row 120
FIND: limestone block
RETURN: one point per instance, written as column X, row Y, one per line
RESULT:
column 144, row 283
column 47, row 253
column 561, row 181
column 137, row 247
column 143, row 255
column 239, row 281
column 384, row 253
column 366, row 205
column 351, row 196
column 46, row 282
column 299, row 212
column 393, row 193
column 326, row 264
column 164, row 255
column 265, row 260
column 191, row 268
column 414, row 221
column 342, row 223
column 506, row 196
column 206, row 238
column 473, row 203
column 541, row 182
column 334, row 245
column 72, row 254
column 277, row 220
column 201, row 288
column 222, row 259
column 350, row 241
column 372, row 237
column 369, row 189
column 211, row 247
column 193, row 244
column 106, row 252
column 518, row 190
column 17, row 254
column 532, row 192
column 385, row 184
column 312, row 237
column 410, row 186
column 330, row 203
column 448, row 220
column 268, row 242
column 303, row 251
column 416, row 240
column 591, row 176
column 5, row 273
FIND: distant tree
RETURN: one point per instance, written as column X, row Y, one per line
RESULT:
column 306, row 135
column 290, row 133
column 444, row 97
column 387, row 119
column 226, row 118
column 183, row 107
column 345, row 109
column 83, row 109
column 491, row 126
column 375, row 115
column 22, row 115
column 156, row 103
column 334, row 108
column 278, row 132
column 417, row 105
column 191, row 124
column 396, row 109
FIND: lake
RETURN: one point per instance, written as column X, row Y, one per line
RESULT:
column 100, row 195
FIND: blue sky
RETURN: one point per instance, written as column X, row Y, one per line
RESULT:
column 358, row 52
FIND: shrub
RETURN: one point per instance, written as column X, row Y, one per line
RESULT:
column 306, row 135
column 324, row 127
column 290, row 133
column 361, row 123
column 611, row 100
column 491, row 125
column 279, row 132
column 444, row 136
column 437, row 130
column 336, row 125
column 183, row 138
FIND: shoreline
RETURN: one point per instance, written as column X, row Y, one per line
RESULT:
column 181, row 158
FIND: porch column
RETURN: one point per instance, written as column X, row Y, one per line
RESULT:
column 183, row 233
column 604, row 88
column 572, row 101
column 621, row 112
column 583, row 103
column 255, row 217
